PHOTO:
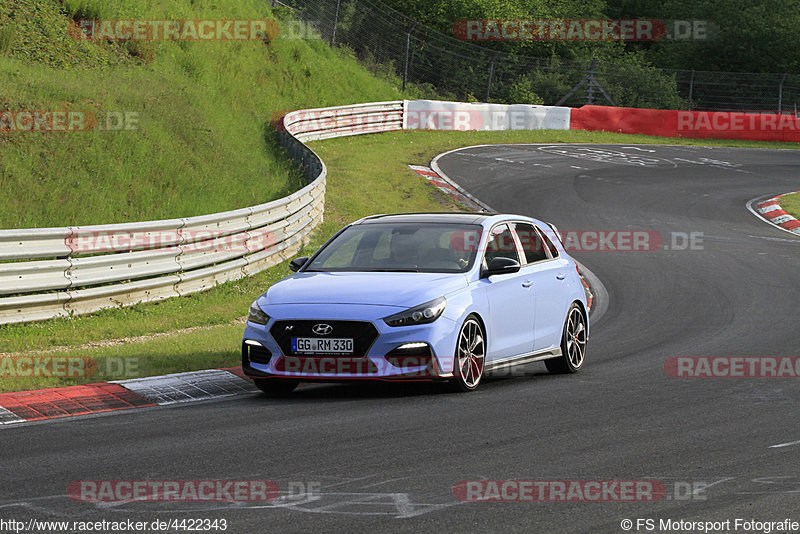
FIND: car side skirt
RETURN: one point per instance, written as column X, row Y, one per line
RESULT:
column 522, row 359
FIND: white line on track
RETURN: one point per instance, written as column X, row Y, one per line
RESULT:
column 703, row 488
column 788, row 444
column 638, row 148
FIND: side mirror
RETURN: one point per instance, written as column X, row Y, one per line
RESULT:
column 501, row 266
column 297, row 263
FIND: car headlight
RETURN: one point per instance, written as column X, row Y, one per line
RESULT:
column 256, row 314
column 422, row 314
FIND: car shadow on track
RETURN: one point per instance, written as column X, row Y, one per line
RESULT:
column 388, row 390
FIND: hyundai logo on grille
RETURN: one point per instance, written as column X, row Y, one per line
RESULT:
column 322, row 329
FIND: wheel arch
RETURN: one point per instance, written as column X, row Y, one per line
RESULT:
column 483, row 325
column 465, row 315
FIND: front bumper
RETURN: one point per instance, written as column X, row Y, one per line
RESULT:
column 428, row 354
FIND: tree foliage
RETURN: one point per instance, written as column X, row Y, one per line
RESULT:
column 746, row 36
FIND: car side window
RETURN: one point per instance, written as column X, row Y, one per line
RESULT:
column 534, row 245
column 549, row 244
column 501, row 244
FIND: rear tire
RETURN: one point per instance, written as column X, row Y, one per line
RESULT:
column 470, row 357
column 573, row 344
column 276, row 387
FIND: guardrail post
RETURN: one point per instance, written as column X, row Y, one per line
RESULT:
column 335, row 23
column 691, row 90
column 590, row 89
column 780, row 94
column 491, row 75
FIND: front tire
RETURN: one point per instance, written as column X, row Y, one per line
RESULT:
column 276, row 387
column 470, row 356
column 573, row 344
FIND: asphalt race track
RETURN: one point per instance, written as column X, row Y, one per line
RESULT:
column 386, row 458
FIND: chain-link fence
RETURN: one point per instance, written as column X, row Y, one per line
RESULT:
column 465, row 71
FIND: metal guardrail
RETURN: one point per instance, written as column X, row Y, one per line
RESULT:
column 53, row 272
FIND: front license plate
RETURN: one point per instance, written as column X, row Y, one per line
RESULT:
column 311, row 345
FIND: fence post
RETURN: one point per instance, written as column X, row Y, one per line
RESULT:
column 491, row 75
column 335, row 23
column 591, row 82
column 590, row 89
column 408, row 46
column 780, row 94
column 691, row 90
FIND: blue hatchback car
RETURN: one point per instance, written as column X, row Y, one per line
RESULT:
column 421, row 296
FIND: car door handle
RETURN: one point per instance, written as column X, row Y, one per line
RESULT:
column 561, row 276
column 527, row 283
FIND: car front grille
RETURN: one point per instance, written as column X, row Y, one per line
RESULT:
column 363, row 334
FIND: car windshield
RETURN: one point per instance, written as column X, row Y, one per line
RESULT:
column 401, row 247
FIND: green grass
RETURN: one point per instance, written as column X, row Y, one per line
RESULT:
column 212, row 348
column 367, row 174
column 7, row 34
column 203, row 142
column 791, row 204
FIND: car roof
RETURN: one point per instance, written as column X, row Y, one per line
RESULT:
column 483, row 218
column 429, row 217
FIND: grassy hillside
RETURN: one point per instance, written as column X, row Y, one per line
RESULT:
column 202, row 141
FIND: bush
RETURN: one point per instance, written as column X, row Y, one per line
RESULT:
column 521, row 92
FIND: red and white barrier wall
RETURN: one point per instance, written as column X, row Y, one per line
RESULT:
column 441, row 115
column 693, row 124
